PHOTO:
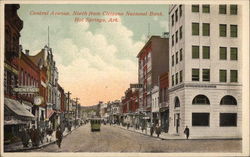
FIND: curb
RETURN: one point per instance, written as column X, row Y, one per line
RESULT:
column 38, row 147
column 162, row 138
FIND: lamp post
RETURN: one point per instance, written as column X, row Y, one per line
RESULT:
column 76, row 109
column 68, row 96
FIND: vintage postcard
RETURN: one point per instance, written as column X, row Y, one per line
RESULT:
column 127, row 78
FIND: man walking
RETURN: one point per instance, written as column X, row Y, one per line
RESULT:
column 186, row 131
column 59, row 136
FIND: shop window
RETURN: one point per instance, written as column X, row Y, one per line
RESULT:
column 200, row 119
column 201, row 100
column 228, row 100
column 228, row 119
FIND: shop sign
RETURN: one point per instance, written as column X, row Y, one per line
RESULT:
column 26, row 90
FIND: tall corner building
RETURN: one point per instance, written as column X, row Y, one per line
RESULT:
column 205, row 70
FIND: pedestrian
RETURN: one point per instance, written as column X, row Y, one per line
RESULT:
column 128, row 126
column 158, row 130
column 59, row 136
column 152, row 128
column 25, row 137
column 186, row 131
column 49, row 132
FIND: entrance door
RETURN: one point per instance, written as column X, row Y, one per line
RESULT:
column 177, row 122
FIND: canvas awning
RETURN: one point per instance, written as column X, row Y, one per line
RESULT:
column 17, row 108
column 50, row 113
column 14, row 121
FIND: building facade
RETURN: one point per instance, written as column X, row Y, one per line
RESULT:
column 152, row 61
column 205, row 70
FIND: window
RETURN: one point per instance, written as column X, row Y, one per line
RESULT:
column 181, row 76
column 206, row 29
column 228, row 119
column 233, row 53
column 206, row 52
column 172, row 80
column 176, row 57
column 223, row 9
column 176, row 78
column 200, row 119
column 172, row 40
column 223, row 53
column 181, row 32
column 195, row 29
column 172, row 17
column 180, row 54
column 195, row 52
column 206, row 74
column 206, row 8
column 228, row 100
column 176, row 15
column 180, row 8
column 201, row 100
column 223, row 76
column 223, row 30
column 176, row 102
column 195, row 8
column 195, row 74
column 233, row 76
column 173, row 60
column 176, row 36
column 233, row 30
column 233, row 9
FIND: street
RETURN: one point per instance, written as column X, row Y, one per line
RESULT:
column 115, row 139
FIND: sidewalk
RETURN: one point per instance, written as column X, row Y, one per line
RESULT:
column 166, row 136
column 18, row 147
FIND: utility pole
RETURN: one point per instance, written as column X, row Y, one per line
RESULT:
column 68, row 95
column 76, row 109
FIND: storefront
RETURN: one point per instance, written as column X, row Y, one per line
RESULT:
column 16, row 117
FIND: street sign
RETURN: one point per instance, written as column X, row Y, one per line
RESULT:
column 26, row 90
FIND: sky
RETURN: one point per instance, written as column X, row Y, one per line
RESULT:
column 96, row 61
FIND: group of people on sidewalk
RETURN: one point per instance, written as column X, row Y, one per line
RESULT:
column 37, row 136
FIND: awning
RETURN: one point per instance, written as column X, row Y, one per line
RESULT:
column 14, row 121
column 17, row 108
column 50, row 113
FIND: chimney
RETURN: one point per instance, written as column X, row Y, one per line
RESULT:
column 27, row 52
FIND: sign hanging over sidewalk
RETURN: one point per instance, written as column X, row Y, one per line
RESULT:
column 26, row 90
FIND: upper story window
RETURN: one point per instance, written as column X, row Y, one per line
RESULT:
column 181, row 77
column 206, row 52
column 176, row 36
column 233, row 9
column 195, row 74
column 206, row 74
column 180, row 54
column 181, row 32
column 195, row 8
column 206, row 8
column 233, row 30
column 195, row 29
column 223, row 53
column 176, row 15
column 223, row 30
column 223, row 9
column 176, row 78
column 172, row 18
column 180, row 8
column 176, row 57
column 172, row 60
column 195, row 52
column 233, row 53
column 205, row 29
column 223, row 76
column 233, row 76
column 172, row 40
column 172, row 80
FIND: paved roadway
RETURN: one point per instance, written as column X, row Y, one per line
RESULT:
column 114, row 139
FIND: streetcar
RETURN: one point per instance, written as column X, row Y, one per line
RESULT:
column 95, row 124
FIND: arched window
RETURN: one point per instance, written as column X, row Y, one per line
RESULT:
column 201, row 100
column 228, row 100
column 176, row 102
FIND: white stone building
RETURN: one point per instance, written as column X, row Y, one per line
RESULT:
column 205, row 70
